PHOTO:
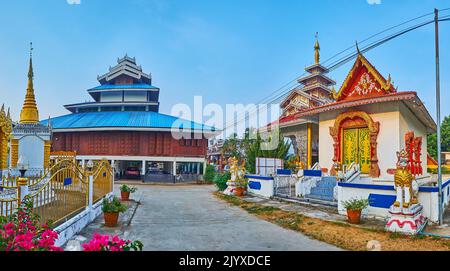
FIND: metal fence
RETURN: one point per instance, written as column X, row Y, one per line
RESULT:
column 102, row 180
column 61, row 192
column 284, row 186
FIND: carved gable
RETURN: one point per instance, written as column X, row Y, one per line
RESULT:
column 364, row 81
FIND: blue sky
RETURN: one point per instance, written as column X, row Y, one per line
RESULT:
column 227, row 51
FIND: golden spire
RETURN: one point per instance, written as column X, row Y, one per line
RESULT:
column 317, row 49
column 29, row 113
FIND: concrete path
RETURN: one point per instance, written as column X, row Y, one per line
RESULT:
column 190, row 218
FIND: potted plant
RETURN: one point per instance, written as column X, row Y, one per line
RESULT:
column 125, row 191
column 111, row 209
column 354, row 208
column 241, row 187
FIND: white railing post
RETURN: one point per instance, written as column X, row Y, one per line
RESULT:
column 91, row 192
column 22, row 189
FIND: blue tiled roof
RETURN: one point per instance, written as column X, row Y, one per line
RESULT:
column 134, row 86
column 123, row 119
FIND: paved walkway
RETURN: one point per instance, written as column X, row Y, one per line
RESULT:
column 190, row 218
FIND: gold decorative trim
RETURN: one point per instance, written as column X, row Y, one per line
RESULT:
column 14, row 152
column 5, row 135
column 374, row 129
column 386, row 85
column 47, row 147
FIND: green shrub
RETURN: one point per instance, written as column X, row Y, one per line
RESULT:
column 126, row 188
column 356, row 204
column 210, row 173
column 220, row 180
column 113, row 206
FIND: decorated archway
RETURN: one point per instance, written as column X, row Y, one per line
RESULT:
column 356, row 122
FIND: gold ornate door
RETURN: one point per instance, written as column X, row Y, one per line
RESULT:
column 350, row 146
column 356, row 148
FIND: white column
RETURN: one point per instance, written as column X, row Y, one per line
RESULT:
column 113, row 165
column 144, row 163
column 174, row 168
column 91, row 197
column 83, row 162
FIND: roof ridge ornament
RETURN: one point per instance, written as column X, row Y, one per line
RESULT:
column 357, row 47
column 317, row 49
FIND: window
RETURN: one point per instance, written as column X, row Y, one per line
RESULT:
column 135, row 96
column 115, row 96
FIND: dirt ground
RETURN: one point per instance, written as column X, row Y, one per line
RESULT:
column 337, row 233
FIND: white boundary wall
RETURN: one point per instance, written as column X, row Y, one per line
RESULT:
column 260, row 185
column 428, row 197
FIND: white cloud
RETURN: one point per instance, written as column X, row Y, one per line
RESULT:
column 73, row 2
column 373, row 2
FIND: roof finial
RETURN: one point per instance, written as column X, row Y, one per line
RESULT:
column 317, row 49
column 357, row 48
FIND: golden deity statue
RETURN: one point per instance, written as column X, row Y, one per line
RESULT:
column 298, row 164
column 403, row 180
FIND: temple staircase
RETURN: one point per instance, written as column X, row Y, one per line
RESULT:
column 324, row 189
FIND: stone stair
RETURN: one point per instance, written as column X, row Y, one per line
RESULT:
column 324, row 190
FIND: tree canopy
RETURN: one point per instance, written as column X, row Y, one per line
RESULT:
column 445, row 139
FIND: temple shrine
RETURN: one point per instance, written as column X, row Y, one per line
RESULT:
column 372, row 144
column 123, row 124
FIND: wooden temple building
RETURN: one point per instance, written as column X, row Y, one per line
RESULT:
column 123, row 125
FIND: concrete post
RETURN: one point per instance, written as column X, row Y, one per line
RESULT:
column 22, row 189
column 174, row 168
column 144, row 163
column 113, row 166
column 91, row 193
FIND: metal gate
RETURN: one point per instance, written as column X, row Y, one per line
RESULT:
column 284, row 186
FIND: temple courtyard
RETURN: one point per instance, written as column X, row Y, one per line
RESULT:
column 190, row 217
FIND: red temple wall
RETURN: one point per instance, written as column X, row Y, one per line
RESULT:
column 120, row 143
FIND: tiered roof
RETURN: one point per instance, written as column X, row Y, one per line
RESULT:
column 314, row 88
column 125, row 66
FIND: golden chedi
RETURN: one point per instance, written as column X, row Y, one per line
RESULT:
column 29, row 113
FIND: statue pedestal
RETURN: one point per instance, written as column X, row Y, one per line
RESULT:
column 231, row 188
column 406, row 220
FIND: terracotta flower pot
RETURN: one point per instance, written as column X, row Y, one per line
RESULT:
column 125, row 195
column 354, row 216
column 111, row 219
column 240, row 191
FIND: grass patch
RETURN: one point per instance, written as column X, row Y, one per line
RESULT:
column 337, row 233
